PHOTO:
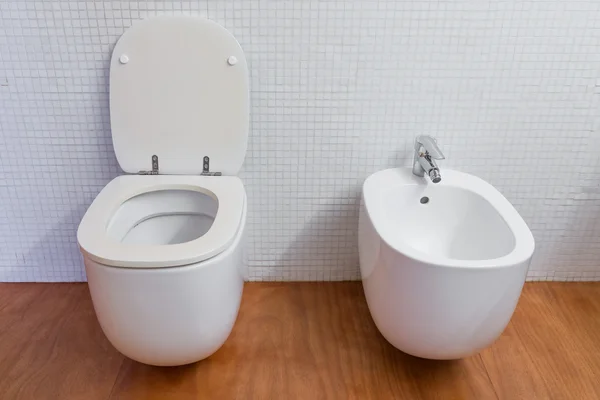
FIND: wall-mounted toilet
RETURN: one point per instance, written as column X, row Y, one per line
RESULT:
column 163, row 245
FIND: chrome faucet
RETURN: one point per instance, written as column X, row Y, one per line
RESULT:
column 426, row 152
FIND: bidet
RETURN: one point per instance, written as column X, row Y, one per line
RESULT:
column 442, row 264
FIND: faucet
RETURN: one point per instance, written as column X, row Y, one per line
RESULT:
column 426, row 152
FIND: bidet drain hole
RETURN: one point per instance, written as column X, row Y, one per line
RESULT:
column 424, row 200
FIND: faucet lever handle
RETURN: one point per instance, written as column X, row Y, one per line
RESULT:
column 430, row 145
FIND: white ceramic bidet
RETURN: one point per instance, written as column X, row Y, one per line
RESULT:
column 442, row 264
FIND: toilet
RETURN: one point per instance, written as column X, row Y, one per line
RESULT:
column 163, row 245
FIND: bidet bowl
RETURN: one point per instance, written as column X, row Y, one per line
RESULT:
column 442, row 264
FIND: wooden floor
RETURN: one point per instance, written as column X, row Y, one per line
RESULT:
column 300, row 341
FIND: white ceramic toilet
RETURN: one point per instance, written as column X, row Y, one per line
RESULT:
column 163, row 245
column 442, row 264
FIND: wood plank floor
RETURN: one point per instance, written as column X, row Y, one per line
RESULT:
column 300, row 341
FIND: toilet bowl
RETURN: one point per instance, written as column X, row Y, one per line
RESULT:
column 442, row 264
column 163, row 245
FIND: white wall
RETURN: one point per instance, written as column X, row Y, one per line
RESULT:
column 339, row 90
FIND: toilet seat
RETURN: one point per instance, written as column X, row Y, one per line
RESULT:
column 96, row 244
column 179, row 108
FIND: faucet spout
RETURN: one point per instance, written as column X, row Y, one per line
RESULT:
column 435, row 176
column 426, row 152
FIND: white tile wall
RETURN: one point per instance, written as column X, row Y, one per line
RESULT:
column 339, row 90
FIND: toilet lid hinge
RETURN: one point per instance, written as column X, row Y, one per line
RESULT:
column 206, row 168
column 154, row 167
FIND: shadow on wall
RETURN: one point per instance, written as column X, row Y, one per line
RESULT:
column 575, row 255
column 326, row 247
column 45, row 248
column 53, row 257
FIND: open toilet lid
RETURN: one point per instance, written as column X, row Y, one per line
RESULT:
column 179, row 90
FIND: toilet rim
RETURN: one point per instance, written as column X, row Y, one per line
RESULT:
column 97, row 245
